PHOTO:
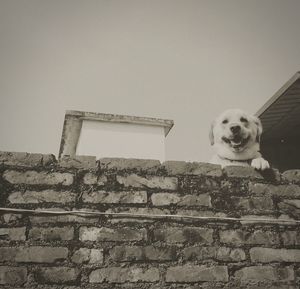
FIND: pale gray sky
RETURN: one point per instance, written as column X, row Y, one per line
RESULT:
column 185, row 60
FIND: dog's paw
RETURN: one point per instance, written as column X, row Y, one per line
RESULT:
column 260, row 164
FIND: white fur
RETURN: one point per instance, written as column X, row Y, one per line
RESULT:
column 250, row 130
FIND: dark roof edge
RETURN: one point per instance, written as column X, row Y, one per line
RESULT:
column 278, row 94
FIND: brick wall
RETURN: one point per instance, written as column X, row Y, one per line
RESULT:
column 46, row 251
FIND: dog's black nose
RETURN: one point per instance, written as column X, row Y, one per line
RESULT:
column 235, row 128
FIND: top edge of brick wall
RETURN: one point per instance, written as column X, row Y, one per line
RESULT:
column 23, row 159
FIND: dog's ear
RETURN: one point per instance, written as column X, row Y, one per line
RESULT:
column 211, row 134
column 259, row 128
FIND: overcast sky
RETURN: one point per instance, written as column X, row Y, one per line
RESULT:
column 186, row 60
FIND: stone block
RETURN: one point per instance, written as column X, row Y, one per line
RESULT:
column 265, row 273
column 194, row 273
column 239, row 237
column 290, row 238
column 13, row 234
column 184, row 235
column 12, row 275
column 78, row 162
column 267, row 255
column 289, row 191
column 152, row 182
column 38, row 178
column 57, row 275
column 122, row 275
column 51, row 234
column 104, row 197
column 87, row 256
column 139, row 253
column 93, row 179
column 43, row 196
column 120, row 164
column 291, row 176
column 194, row 168
column 38, row 254
column 166, row 199
column 111, row 234
column 242, row 172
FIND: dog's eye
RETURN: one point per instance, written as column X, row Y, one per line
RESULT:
column 242, row 119
column 225, row 121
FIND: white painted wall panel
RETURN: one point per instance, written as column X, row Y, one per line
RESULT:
column 125, row 140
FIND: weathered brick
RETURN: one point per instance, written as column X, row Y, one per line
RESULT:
column 45, row 196
column 185, row 234
column 244, row 237
column 13, row 234
column 292, row 176
column 51, row 234
column 122, row 275
column 290, row 207
column 221, row 253
column 12, row 275
column 38, row 178
column 194, row 168
column 57, row 275
column 194, row 185
column 111, row 234
column 163, row 199
column 88, row 256
column 266, row 255
column 36, row 254
column 11, row 218
column 23, row 159
column 233, row 187
column 253, row 203
column 129, row 164
column 191, row 274
column 7, row 254
column 133, row 180
column 78, row 162
column 166, row 199
column 130, row 197
column 242, row 172
column 199, row 253
column 290, row 238
column 146, row 253
column 290, row 191
column 93, row 179
column 262, row 273
column 230, row 254
column 41, row 254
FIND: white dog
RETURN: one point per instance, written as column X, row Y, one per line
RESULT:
column 235, row 137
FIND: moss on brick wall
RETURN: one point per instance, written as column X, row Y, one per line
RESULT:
column 75, row 251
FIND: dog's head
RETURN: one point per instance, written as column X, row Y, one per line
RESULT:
column 236, row 134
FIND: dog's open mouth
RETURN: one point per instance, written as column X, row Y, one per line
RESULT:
column 237, row 142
